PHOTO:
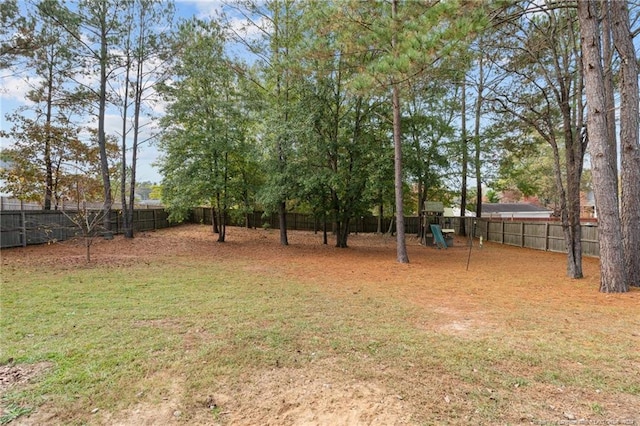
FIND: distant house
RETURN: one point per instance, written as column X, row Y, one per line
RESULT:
column 587, row 205
column 455, row 212
column 515, row 210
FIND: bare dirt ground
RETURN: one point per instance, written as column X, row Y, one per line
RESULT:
column 469, row 303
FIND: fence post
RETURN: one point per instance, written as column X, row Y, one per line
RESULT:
column 522, row 234
column 546, row 236
column 23, row 218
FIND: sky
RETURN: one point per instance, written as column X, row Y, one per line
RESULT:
column 14, row 86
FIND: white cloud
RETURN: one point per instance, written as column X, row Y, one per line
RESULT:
column 202, row 9
column 14, row 88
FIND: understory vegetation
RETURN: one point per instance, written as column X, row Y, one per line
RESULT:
column 200, row 332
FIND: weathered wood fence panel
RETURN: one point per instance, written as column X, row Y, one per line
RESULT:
column 25, row 227
column 547, row 236
column 21, row 228
column 301, row 221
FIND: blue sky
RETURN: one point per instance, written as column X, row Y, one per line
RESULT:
column 13, row 87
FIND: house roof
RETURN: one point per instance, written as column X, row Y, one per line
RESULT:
column 511, row 207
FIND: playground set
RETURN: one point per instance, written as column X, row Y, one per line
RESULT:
column 434, row 233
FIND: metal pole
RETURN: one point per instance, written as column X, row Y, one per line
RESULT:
column 471, row 243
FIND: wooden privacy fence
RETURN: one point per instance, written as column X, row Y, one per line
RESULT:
column 25, row 227
column 20, row 228
column 547, row 236
column 303, row 222
column 536, row 235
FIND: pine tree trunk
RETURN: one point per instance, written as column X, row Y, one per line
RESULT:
column 476, row 139
column 401, row 245
column 126, row 224
column 607, row 53
column 465, row 156
column 629, row 139
column 573, row 164
column 612, row 272
column 48, row 190
column 102, row 110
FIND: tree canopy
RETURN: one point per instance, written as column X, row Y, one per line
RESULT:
column 338, row 108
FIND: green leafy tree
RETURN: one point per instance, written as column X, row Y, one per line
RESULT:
column 528, row 168
column 339, row 147
column 429, row 133
column 403, row 40
column 205, row 130
column 279, row 23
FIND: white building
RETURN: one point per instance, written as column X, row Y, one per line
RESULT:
column 515, row 211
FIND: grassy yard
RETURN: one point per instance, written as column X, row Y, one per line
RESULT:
column 173, row 328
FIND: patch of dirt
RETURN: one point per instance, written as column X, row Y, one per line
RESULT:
column 15, row 375
column 319, row 397
column 145, row 413
column 18, row 376
column 468, row 294
column 278, row 397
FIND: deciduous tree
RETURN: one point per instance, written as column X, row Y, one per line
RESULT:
column 204, row 140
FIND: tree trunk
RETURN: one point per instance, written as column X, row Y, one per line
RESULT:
column 612, row 271
column 282, row 219
column 102, row 110
column 214, row 220
column 420, row 204
column 607, row 53
column 222, row 226
column 136, row 130
column 342, row 233
column 401, row 245
column 126, row 225
column 48, row 190
column 629, row 139
column 574, row 158
column 476, row 139
column 380, row 215
column 325, row 238
column 465, row 155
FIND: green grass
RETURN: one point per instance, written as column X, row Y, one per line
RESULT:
column 109, row 332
